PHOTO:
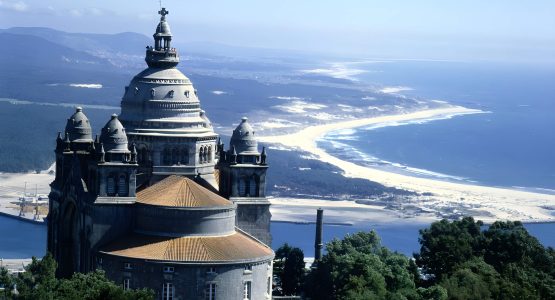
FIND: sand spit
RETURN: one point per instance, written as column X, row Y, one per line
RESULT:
column 447, row 198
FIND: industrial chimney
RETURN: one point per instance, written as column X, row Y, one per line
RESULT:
column 318, row 240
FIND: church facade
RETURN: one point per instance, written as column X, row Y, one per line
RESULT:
column 156, row 200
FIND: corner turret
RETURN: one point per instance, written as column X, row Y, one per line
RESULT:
column 242, row 174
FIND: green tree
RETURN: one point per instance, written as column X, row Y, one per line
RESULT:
column 94, row 286
column 39, row 279
column 447, row 244
column 39, row 282
column 501, row 262
column 358, row 267
column 289, row 267
column 6, row 284
column 293, row 272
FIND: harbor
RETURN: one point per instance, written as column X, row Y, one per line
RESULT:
column 25, row 195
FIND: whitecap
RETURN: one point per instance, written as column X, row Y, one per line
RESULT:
column 86, row 85
column 394, row 89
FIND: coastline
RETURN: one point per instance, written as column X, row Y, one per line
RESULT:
column 484, row 202
column 24, row 219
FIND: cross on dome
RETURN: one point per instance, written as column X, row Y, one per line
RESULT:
column 163, row 12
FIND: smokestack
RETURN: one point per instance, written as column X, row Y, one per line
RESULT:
column 318, row 240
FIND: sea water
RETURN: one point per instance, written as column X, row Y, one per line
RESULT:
column 19, row 239
column 511, row 145
column 400, row 238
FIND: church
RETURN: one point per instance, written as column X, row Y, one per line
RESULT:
column 156, row 200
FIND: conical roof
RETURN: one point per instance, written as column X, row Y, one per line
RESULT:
column 243, row 139
column 179, row 191
column 237, row 247
column 78, row 127
column 113, row 136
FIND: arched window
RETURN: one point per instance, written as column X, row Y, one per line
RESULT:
column 175, row 156
column 209, row 154
column 205, row 155
column 111, row 185
column 253, row 186
column 170, row 94
column 167, row 157
column 243, row 187
column 123, row 188
column 201, row 155
column 143, row 155
column 184, row 156
column 186, row 94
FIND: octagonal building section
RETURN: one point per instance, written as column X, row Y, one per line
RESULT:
column 161, row 113
column 185, row 245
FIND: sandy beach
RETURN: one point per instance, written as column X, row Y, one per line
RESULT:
column 486, row 203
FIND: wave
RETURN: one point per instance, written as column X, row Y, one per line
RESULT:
column 535, row 189
column 86, row 85
column 338, row 70
column 78, row 85
column 299, row 106
column 62, row 104
column 287, row 98
column 350, row 153
column 395, row 89
column 333, row 142
column 421, row 121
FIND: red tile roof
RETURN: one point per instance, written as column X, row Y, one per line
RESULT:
column 219, row 249
column 179, row 191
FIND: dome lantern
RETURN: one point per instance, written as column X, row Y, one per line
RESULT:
column 162, row 55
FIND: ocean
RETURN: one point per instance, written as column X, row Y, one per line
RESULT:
column 510, row 145
column 19, row 239
column 400, row 238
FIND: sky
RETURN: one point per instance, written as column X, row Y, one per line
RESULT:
column 410, row 29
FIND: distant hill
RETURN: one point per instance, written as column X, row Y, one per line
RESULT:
column 26, row 50
column 37, row 69
column 121, row 49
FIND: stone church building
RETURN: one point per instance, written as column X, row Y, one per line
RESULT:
column 156, row 200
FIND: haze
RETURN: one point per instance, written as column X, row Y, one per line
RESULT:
column 453, row 30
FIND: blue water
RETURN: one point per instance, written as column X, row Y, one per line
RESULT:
column 19, row 239
column 511, row 146
column 400, row 238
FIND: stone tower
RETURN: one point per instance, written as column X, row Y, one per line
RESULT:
column 162, row 114
column 91, row 194
column 242, row 179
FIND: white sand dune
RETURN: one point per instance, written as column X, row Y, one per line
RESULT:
column 489, row 203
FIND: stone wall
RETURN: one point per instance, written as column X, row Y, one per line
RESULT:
column 190, row 282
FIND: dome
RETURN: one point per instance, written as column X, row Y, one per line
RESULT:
column 78, row 127
column 163, row 29
column 243, row 139
column 113, row 136
column 163, row 100
column 207, row 122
